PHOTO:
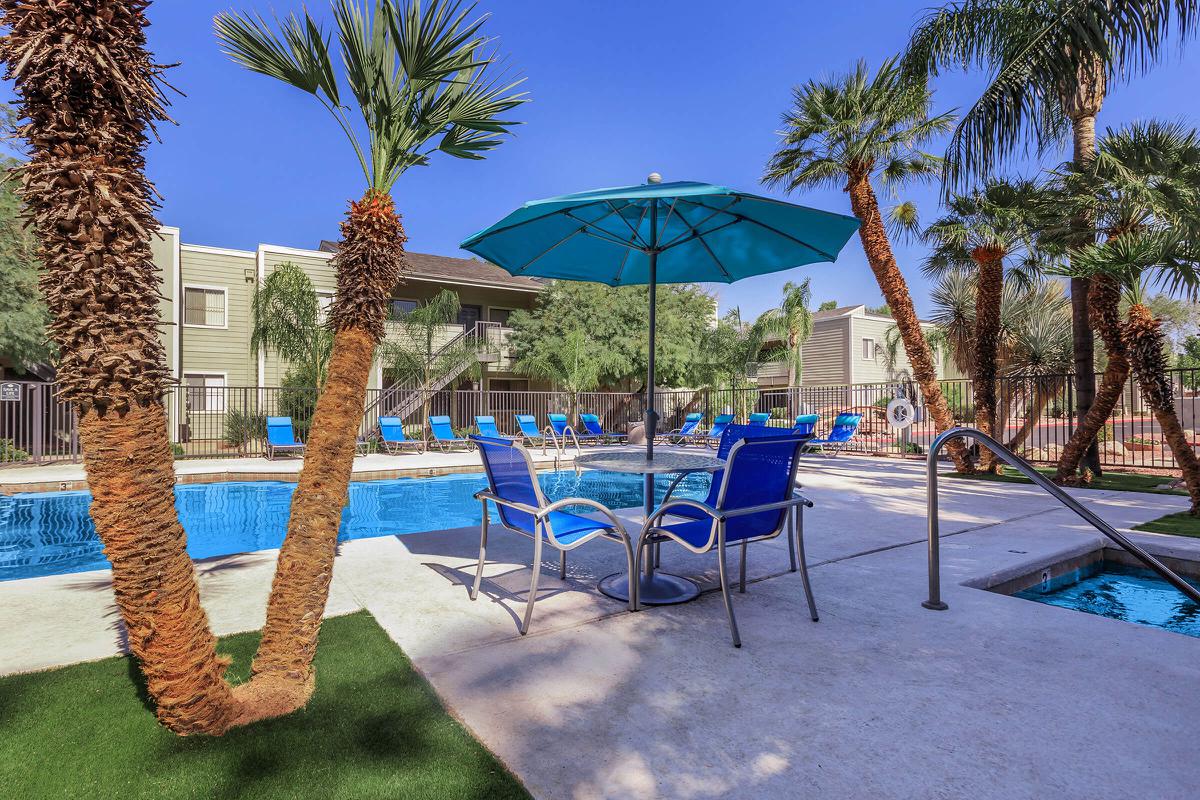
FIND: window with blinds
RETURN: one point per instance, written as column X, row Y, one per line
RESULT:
column 204, row 307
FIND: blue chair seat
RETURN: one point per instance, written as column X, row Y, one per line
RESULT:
column 569, row 528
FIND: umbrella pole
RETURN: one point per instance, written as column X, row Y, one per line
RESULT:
column 651, row 413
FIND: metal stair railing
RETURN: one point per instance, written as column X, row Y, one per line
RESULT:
column 1022, row 466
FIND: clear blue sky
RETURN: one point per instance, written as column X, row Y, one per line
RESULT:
column 689, row 88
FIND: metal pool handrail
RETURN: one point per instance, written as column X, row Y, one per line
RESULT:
column 1025, row 468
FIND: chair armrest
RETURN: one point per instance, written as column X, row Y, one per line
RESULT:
column 741, row 512
column 487, row 494
column 665, row 509
column 583, row 501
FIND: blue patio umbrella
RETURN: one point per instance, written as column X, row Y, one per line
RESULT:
column 681, row 232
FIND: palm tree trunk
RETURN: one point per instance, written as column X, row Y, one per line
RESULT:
column 989, row 288
column 895, row 293
column 369, row 264
column 1144, row 339
column 1104, row 306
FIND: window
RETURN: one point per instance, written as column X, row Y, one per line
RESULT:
column 324, row 302
column 401, row 307
column 204, row 307
column 205, row 393
column 868, row 350
column 500, row 315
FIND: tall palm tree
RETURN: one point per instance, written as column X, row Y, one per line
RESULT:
column 988, row 231
column 573, row 363
column 850, row 131
column 420, row 79
column 1051, row 63
column 792, row 319
column 87, row 108
column 286, row 318
column 1038, row 353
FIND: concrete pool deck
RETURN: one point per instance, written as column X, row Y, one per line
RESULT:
column 997, row 697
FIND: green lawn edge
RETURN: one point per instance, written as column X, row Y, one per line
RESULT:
column 373, row 729
column 1110, row 481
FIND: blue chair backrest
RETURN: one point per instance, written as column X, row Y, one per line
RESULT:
column 511, row 478
column 279, row 432
column 760, row 471
column 690, row 422
column 528, row 425
column 487, row 426
column 392, row 429
column 441, row 428
column 591, row 423
column 558, row 422
column 844, row 427
column 805, row 424
column 721, row 422
column 759, row 419
column 732, row 435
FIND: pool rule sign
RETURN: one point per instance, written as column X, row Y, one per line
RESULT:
column 10, row 392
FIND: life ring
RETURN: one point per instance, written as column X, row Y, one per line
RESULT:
column 900, row 413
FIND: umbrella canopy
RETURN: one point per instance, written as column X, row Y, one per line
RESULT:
column 682, row 232
column 701, row 232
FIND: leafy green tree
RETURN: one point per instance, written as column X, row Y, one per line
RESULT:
column 286, row 318
column 828, row 305
column 726, row 358
column 1189, row 359
column 573, row 364
column 791, row 320
column 879, row 311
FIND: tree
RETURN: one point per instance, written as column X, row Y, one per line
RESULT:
column 849, row 132
column 285, row 317
column 792, row 320
column 573, row 364
column 828, row 305
column 879, row 311
column 420, row 79
column 727, row 353
column 987, row 231
column 1038, row 353
column 1189, row 359
column 1051, row 64
column 418, row 352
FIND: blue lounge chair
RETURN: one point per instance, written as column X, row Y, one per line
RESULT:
column 751, row 500
column 443, row 435
column 561, row 431
column 722, row 421
column 487, row 427
column 281, row 438
column 393, row 439
column 595, row 432
column 530, row 433
column 684, row 433
column 843, row 430
column 806, row 426
column 513, row 488
column 760, row 420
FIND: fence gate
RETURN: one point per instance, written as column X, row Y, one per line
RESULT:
column 35, row 426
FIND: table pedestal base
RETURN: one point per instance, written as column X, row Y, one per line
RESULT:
column 659, row 589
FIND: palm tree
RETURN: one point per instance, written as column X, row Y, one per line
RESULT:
column 87, row 109
column 726, row 357
column 418, row 352
column 792, row 320
column 1039, row 353
column 286, row 318
column 848, row 132
column 573, row 363
column 989, row 232
column 1051, row 62
column 421, row 80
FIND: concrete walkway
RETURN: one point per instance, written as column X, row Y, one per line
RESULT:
column 996, row 698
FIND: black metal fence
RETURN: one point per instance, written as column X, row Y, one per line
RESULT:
column 1037, row 415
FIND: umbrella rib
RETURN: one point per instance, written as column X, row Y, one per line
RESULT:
column 632, row 229
column 667, row 221
column 533, row 260
column 628, row 250
column 788, row 236
column 715, row 211
column 598, row 232
column 700, row 238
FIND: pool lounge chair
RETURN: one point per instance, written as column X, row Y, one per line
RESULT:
column 514, row 489
column 760, row 420
column 806, row 426
column 443, row 436
column 594, row 431
column 684, row 433
column 714, row 435
column 530, row 432
column 753, row 499
column 487, row 427
column 561, row 431
column 281, row 438
column 843, row 430
column 392, row 438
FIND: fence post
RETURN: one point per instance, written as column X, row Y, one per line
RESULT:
column 38, row 418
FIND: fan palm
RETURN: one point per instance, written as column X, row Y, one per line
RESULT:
column 1051, row 63
column 285, row 318
column 419, row 77
column 1038, row 353
column 726, row 357
column 849, row 132
column 572, row 362
column 987, row 231
column 792, row 321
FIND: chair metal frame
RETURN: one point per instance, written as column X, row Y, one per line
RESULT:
column 543, row 529
column 397, row 446
column 791, row 521
column 679, row 436
column 815, row 444
column 447, row 445
column 269, row 449
column 599, row 436
column 707, row 437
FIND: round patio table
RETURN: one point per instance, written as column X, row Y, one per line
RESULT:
column 654, row 588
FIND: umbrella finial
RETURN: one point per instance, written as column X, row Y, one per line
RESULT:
column 654, row 178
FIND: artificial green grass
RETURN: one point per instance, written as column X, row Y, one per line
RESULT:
column 1181, row 524
column 1111, row 481
column 373, row 729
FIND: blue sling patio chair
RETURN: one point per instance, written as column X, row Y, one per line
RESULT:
column 487, row 427
column 845, row 425
column 760, row 420
column 752, row 499
column 717, row 432
column 594, row 431
column 522, row 507
column 281, row 438
column 806, row 426
column 530, row 432
column 392, row 438
column 684, row 433
column 444, row 437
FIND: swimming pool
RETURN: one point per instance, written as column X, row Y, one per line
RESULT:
column 1118, row 591
column 50, row 533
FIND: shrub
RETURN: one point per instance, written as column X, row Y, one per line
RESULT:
column 882, row 402
column 10, row 453
column 297, row 399
column 178, row 450
column 241, row 427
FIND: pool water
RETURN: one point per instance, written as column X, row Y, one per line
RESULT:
column 50, row 533
column 1114, row 590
